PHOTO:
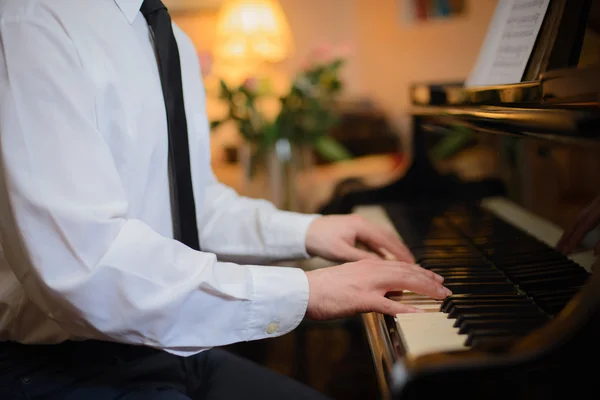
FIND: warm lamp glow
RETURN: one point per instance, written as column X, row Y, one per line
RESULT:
column 253, row 31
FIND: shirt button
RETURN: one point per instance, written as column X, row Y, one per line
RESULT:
column 272, row 328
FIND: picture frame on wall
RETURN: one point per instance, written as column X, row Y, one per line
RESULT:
column 421, row 11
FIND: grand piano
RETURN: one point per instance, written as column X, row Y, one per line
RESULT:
column 498, row 173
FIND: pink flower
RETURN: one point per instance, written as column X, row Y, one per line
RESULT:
column 325, row 53
column 344, row 50
column 322, row 53
column 206, row 61
column 251, row 84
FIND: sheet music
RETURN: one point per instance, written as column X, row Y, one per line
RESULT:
column 508, row 43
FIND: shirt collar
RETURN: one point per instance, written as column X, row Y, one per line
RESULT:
column 130, row 8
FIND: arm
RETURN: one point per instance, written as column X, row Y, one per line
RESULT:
column 67, row 234
column 239, row 229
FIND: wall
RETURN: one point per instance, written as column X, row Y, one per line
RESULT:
column 392, row 56
column 387, row 56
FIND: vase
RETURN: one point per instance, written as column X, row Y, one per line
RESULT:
column 275, row 174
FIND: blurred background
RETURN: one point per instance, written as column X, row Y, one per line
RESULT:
column 385, row 46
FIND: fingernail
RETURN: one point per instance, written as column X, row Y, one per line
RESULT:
column 387, row 255
column 447, row 291
column 439, row 278
column 442, row 291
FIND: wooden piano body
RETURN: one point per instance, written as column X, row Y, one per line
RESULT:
column 543, row 138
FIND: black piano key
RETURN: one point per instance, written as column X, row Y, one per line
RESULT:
column 529, row 258
column 516, row 278
column 543, row 294
column 533, row 268
column 514, row 249
column 489, row 243
column 553, row 307
column 473, row 302
column 474, row 279
column 488, row 308
column 502, row 324
column 493, row 333
column 454, row 262
column 492, row 342
column 550, row 283
column 556, row 297
column 548, row 273
column 472, row 275
column 479, row 269
column 454, row 249
column 450, row 299
column 533, row 315
column 524, row 250
column 444, row 242
column 481, row 287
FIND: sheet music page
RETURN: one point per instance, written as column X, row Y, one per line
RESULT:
column 508, row 43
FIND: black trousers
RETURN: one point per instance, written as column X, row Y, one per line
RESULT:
column 94, row 370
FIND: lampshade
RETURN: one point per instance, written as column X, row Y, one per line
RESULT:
column 252, row 31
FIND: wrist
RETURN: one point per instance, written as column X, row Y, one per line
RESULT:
column 314, row 290
column 311, row 236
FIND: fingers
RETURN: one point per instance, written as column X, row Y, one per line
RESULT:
column 386, row 306
column 391, row 278
column 355, row 254
column 417, row 268
column 387, row 255
column 421, row 270
column 423, row 285
column 377, row 238
column 400, row 247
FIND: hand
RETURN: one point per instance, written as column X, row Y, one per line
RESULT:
column 587, row 220
column 359, row 287
column 335, row 238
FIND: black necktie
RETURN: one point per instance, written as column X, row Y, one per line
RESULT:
column 183, row 206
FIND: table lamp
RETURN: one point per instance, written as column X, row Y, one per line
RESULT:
column 252, row 32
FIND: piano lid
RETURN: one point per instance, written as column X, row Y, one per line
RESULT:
column 558, row 97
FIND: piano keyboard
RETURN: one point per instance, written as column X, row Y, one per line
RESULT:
column 497, row 259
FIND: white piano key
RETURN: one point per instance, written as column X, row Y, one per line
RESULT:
column 428, row 307
column 428, row 333
column 418, row 300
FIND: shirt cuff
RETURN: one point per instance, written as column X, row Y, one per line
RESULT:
column 279, row 298
column 286, row 233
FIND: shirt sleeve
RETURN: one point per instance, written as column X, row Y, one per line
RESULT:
column 67, row 234
column 241, row 229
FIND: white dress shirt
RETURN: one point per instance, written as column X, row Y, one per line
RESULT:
column 85, row 220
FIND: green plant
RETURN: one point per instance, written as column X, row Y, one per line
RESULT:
column 307, row 111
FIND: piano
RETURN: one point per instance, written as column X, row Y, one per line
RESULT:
column 498, row 173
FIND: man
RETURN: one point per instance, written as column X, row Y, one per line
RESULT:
column 99, row 298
